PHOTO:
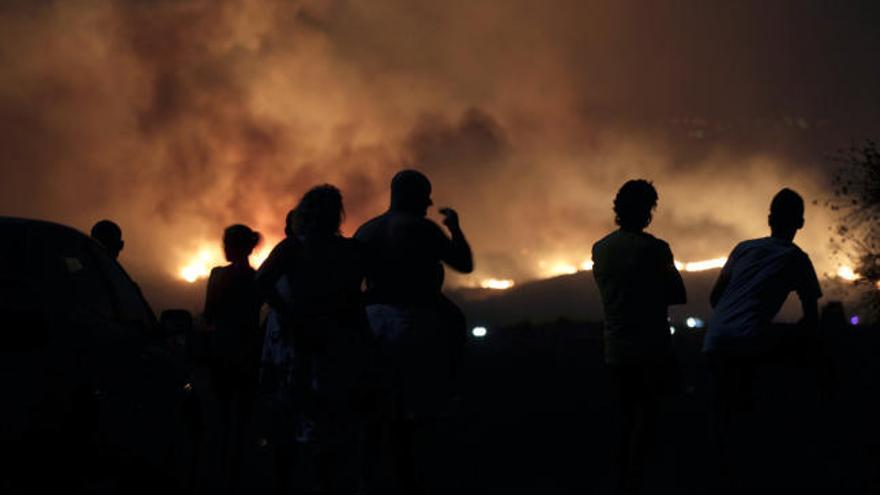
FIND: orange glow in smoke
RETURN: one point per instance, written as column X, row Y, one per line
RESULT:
column 848, row 274
column 199, row 264
column 700, row 266
column 562, row 267
column 496, row 284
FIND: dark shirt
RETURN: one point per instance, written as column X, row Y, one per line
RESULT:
column 637, row 280
column 324, row 276
column 232, row 307
column 405, row 255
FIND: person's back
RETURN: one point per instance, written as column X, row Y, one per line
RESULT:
column 323, row 339
column 761, row 273
column 325, row 276
column 637, row 280
column 232, row 304
column 405, row 252
column 635, row 272
column 419, row 332
column 232, row 307
column 757, row 278
column 751, row 288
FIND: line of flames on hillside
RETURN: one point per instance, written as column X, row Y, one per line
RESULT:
column 555, row 269
column 200, row 264
column 561, row 268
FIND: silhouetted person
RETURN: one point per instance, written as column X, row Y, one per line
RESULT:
column 323, row 320
column 418, row 330
column 110, row 236
column 232, row 310
column 750, row 290
column 277, row 376
column 638, row 281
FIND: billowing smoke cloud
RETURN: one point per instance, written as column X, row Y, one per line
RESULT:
column 177, row 118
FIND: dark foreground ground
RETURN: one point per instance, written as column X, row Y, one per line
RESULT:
column 537, row 418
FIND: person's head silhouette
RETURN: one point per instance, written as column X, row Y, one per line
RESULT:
column 411, row 192
column 110, row 236
column 319, row 213
column 634, row 204
column 786, row 214
column 239, row 242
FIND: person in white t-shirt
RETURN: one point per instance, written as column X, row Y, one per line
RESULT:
column 750, row 290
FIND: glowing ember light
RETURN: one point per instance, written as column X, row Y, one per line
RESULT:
column 699, row 266
column 496, row 284
column 560, row 268
column 200, row 265
column 854, row 320
column 565, row 268
column 259, row 256
column 847, row 273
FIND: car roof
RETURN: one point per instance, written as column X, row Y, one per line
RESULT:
column 47, row 224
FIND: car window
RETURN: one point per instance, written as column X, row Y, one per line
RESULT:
column 84, row 290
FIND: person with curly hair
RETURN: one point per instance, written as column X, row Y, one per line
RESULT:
column 637, row 281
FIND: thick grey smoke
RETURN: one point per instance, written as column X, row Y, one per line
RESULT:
column 179, row 117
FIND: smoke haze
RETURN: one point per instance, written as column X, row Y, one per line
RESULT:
column 177, row 118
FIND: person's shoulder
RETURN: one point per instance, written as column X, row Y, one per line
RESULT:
column 608, row 239
column 218, row 273
column 368, row 227
column 800, row 254
column 654, row 241
column 759, row 242
column 430, row 225
column 650, row 243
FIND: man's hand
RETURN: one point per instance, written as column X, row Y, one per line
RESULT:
column 450, row 219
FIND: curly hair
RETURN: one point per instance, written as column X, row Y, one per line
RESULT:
column 319, row 212
column 634, row 204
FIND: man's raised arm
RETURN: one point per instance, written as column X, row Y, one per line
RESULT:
column 458, row 253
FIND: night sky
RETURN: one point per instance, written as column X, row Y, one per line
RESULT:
column 177, row 118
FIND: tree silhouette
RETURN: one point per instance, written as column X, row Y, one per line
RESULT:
column 856, row 205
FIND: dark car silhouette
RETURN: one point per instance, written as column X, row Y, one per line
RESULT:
column 93, row 392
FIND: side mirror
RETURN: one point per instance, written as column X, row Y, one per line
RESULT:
column 176, row 322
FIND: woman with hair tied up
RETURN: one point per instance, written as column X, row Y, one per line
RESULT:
column 322, row 316
column 232, row 313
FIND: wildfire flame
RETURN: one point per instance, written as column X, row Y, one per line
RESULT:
column 496, row 284
column 200, row 264
column 557, row 268
column 699, row 266
column 847, row 273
